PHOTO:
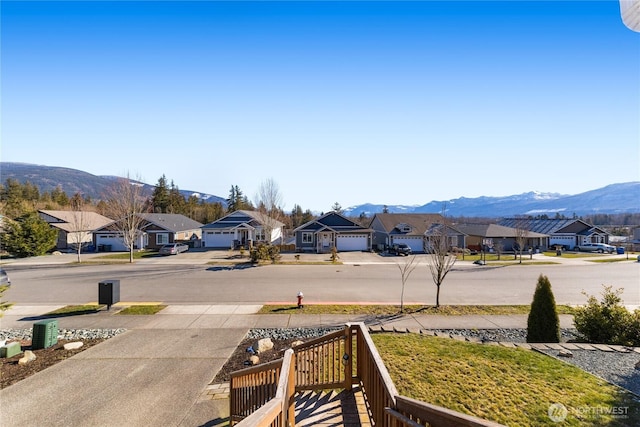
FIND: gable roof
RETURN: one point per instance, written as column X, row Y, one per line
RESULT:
column 171, row 222
column 494, row 231
column 334, row 222
column 419, row 223
column 548, row 226
column 242, row 217
column 70, row 220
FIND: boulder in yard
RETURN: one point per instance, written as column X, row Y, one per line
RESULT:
column 29, row 357
column 263, row 345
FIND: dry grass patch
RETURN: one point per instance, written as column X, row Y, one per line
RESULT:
column 509, row 386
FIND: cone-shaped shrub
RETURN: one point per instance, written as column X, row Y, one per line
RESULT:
column 543, row 324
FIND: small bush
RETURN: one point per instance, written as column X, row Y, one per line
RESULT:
column 608, row 321
column 543, row 324
column 263, row 252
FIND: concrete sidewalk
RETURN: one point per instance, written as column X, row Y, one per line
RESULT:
column 157, row 371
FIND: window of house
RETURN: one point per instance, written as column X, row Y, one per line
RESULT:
column 260, row 235
column 162, row 239
column 307, row 237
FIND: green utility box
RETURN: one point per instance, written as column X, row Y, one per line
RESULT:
column 45, row 334
column 10, row 349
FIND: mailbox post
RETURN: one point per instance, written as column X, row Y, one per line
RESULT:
column 109, row 292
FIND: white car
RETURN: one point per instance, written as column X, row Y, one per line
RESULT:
column 595, row 247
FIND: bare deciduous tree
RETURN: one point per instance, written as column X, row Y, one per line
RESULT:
column 269, row 203
column 126, row 202
column 440, row 261
column 406, row 269
column 79, row 224
column 521, row 235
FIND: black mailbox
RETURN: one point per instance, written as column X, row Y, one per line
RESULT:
column 109, row 292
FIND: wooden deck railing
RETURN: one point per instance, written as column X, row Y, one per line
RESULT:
column 264, row 395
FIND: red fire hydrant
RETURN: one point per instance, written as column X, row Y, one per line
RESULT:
column 300, row 296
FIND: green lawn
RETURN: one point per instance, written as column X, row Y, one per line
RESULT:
column 447, row 310
column 514, row 387
column 142, row 309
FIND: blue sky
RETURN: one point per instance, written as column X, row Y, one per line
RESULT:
column 348, row 102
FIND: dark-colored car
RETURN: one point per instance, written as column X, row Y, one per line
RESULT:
column 400, row 249
column 4, row 278
column 173, row 249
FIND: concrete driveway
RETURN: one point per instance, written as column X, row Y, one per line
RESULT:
column 151, row 377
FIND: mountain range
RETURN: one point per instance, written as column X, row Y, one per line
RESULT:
column 612, row 199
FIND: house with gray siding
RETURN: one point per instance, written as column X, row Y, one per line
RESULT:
column 562, row 232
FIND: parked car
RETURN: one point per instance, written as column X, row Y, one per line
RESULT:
column 4, row 278
column 400, row 249
column 173, row 249
column 595, row 247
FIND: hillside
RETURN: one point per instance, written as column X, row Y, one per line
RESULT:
column 72, row 181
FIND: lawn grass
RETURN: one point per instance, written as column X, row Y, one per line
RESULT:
column 125, row 255
column 446, row 310
column 76, row 310
column 572, row 254
column 142, row 309
column 612, row 260
column 511, row 386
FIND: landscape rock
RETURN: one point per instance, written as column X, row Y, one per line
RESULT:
column 565, row 353
column 263, row 345
column 29, row 357
column 73, row 345
column 638, row 365
column 254, row 360
column 296, row 343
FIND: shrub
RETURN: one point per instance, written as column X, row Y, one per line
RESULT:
column 263, row 252
column 608, row 321
column 543, row 324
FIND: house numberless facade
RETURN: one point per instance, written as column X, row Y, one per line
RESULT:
column 241, row 228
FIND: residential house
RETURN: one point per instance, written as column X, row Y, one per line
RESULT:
column 562, row 232
column 391, row 228
column 156, row 230
column 241, row 228
column 74, row 227
column 498, row 238
column 331, row 230
column 455, row 239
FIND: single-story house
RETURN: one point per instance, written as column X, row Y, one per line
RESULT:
column 241, row 229
column 455, row 238
column 499, row 238
column 156, row 230
column 392, row 228
column 74, row 227
column 331, row 230
column 562, row 232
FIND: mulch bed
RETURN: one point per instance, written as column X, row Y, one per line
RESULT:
column 11, row 372
column 240, row 357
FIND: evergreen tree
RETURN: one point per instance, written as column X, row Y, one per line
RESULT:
column 160, row 196
column 59, row 196
column 28, row 235
column 176, row 200
column 543, row 324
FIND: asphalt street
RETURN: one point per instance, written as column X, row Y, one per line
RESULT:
column 361, row 278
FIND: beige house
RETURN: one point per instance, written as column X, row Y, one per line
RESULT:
column 74, row 227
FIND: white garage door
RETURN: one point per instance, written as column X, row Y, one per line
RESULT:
column 218, row 239
column 110, row 239
column 415, row 243
column 352, row 242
